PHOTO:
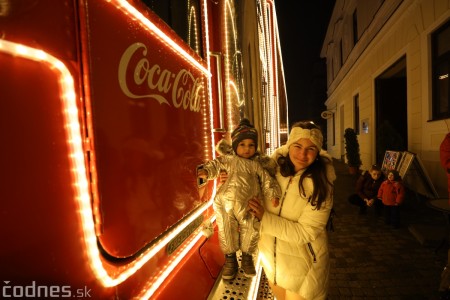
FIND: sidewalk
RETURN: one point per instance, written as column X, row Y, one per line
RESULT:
column 370, row 260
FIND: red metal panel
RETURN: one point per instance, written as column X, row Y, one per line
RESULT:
column 190, row 280
column 148, row 137
column 40, row 226
column 148, row 105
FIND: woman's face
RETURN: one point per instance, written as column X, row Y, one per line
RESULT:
column 303, row 153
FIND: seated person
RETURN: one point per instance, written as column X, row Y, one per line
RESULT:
column 367, row 187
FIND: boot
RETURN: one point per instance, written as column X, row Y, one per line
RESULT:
column 231, row 267
column 247, row 265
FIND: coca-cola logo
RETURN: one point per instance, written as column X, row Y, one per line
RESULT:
column 180, row 89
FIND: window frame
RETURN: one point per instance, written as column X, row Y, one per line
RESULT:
column 440, row 61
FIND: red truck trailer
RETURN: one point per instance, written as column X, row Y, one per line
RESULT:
column 108, row 108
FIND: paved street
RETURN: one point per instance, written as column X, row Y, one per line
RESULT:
column 371, row 260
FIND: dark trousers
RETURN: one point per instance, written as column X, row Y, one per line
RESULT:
column 392, row 215
column 355, row 199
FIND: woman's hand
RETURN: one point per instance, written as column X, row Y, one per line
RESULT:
column 223, row 176
column 255, row 208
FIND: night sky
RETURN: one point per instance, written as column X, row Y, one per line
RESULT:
column 302, row 28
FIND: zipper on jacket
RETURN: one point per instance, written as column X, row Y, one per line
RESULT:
column 312, row 252
column 275, row 240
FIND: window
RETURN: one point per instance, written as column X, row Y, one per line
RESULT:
column 330, row 71
column 441, row 66
column 337, row 58
column 355, row 27
column 356, row 113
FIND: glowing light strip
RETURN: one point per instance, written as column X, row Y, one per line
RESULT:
column 131, row 268
column 192, row 22
column 226, row 63
column 228, row 14
column 235, row 90
column 267, row 71
column 254, row 283
column 210, row 116
column 265, row 46
column 72, row 127
column 278, row 137
column 206, row 127
column 271, row 66
column 275, row 102
column 272, row 63
column 128, row 8
column 153, row 286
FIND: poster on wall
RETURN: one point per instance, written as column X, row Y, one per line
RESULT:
column 365, row 126
column 391, row 160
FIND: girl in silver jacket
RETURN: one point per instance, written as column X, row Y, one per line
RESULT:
column 294, row 245
column 247, row 178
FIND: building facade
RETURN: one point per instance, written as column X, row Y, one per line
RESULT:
column 387, row 78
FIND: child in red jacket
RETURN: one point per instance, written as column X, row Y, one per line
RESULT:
column 392, row 194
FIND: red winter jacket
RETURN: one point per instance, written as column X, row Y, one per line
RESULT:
column 445, row 158
column 391, row 193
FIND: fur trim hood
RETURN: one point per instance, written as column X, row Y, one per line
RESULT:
column 223, row 147
column 331, row 173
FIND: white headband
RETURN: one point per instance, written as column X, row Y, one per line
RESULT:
column 314, row 135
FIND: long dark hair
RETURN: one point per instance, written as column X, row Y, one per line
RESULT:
column 317, row 171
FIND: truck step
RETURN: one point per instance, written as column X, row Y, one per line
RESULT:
column 241, row 287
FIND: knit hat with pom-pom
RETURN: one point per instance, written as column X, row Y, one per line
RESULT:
column 245, row 130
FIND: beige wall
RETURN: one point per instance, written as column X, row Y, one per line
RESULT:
column 405, row 33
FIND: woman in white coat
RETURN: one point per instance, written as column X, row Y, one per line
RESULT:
column 294, row 244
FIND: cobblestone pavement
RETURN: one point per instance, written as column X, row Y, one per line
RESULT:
column 371, row 260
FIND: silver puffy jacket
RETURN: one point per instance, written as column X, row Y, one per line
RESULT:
column 246, row 179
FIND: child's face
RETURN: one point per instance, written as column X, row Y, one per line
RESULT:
column 246, row 148
column 391, row 176
column 375, row 174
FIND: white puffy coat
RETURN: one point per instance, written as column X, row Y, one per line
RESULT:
column 301, row 263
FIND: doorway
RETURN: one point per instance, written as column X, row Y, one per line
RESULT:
column 391, row 110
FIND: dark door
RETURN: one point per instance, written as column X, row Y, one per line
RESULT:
column 391, row 110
